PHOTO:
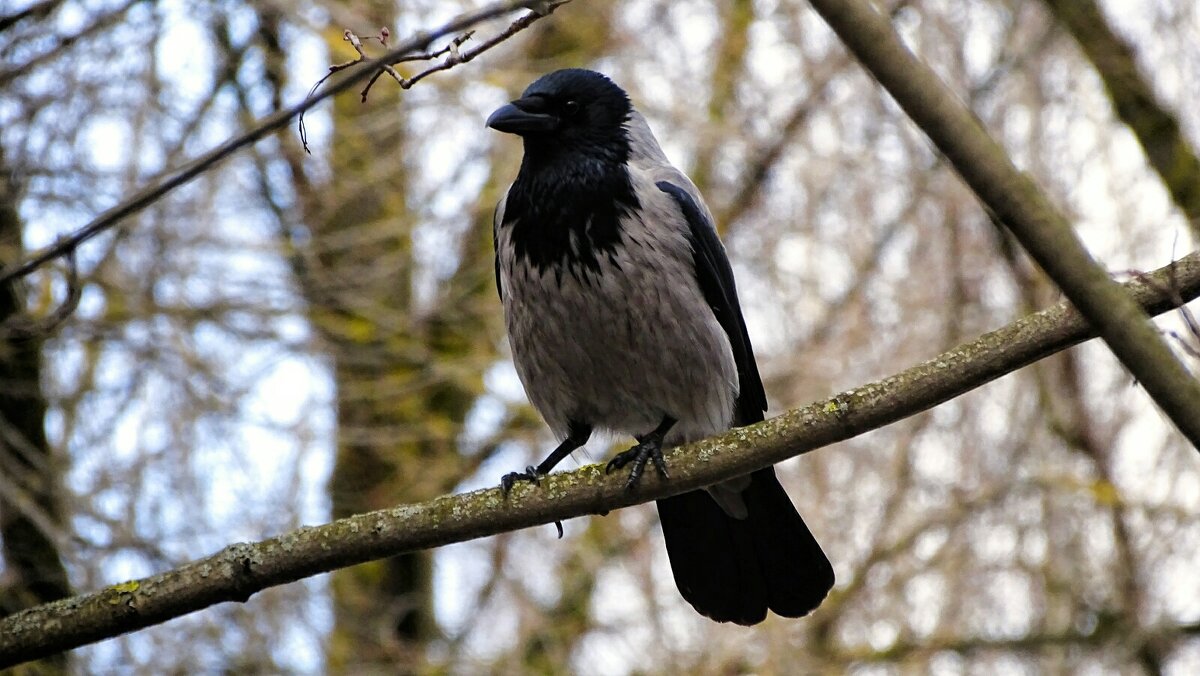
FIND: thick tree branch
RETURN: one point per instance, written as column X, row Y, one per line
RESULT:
column 240, row 570
column 262, row 129
column 1021, row 205
column 1157, row 129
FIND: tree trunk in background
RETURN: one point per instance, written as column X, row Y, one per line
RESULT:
column 32, row 571
column 405, row 376
column 361, row 302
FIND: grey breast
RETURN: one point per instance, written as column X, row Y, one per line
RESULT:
column 626, row 343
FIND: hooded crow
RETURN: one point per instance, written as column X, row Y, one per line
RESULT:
column 622, row 315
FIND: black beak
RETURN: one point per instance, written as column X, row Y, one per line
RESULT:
column 522, row 117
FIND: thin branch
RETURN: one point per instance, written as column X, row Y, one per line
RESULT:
column 241, row 570
column 266, row 126
column 521, row 23
column 356, row 42
column 24, row 328
column 1171, row 288
column 1021, row 206
column 454, row 56
column 453, row 59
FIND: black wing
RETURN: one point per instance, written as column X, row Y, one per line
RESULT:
column 716, row 281
column 496, row 216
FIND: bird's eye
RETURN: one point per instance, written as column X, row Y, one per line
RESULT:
column 571, row 108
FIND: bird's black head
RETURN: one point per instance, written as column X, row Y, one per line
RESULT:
column 570, row 111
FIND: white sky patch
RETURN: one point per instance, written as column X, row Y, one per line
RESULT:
column 460, row 572
column 772, row 60
column 108, row 140
column 618, row 603
column 183, row 53
column 925, row 591
column 980, row 47
column 69, row 18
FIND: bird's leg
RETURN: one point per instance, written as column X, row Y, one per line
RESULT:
column 577, row 435
column 649, row 448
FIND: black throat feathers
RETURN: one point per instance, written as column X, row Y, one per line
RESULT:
column 565, row 208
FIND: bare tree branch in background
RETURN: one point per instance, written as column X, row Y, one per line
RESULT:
column 1021, row 206
column 241, row 570
column 1157, row 129
column 104, row 21
column 37, row 10
column 260, row 130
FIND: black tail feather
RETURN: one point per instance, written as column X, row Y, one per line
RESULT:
column 734, row 570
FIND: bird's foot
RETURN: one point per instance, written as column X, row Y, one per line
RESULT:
column 648, row 450
column 530, row 474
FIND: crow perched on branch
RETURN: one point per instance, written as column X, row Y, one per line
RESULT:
column 623, row 315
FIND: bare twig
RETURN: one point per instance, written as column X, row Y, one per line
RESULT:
column 356, row 43
column 455, row 58
column 1184, row 343
column 451, row 48
column 453, row 55
column 1170, row 288
column 268, row 125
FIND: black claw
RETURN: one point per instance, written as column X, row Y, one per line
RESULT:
column 619, row 460
column 649, row 450
column 660, row 464
column 558, row 525
column 509, row 480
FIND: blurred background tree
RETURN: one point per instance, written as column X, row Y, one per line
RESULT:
column 294, row 337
